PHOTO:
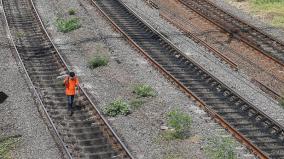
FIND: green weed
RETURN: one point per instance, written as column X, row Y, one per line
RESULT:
column 7, row 144
column 98, row 61
column 144, row 90
column 220, row 147
column 180, row 122
column 67, row 25
column 117, row 107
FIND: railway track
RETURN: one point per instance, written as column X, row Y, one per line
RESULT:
column 234, row 52
column 86, row 134
column 239, row 29
column 261, row 134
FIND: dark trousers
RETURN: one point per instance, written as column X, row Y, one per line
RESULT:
column 70, row 100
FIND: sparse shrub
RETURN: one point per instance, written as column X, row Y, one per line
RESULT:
column 136, row 103
column 7, row 144
column 117, row 107
column 181, row 123
column 67, row 25
column 144, row 90
column 220, row 147
column 98, row 61
column 71, row 11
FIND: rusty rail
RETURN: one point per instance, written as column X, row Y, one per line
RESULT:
column 198, row 40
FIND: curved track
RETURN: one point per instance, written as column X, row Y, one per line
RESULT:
column 249, row 34
column 260, row 133
column 86, row 134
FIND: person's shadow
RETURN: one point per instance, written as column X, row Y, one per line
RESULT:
column 3, row 97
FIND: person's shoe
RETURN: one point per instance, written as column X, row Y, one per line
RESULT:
column 71, row 113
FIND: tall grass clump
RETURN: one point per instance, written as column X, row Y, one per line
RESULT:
column 98, row 61
column 144, row 90
column 220, row 147
column 117, row 107
column 67, row 25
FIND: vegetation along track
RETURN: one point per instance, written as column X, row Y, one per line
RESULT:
column 86, row 134
column 239, row 29
column 260, row 133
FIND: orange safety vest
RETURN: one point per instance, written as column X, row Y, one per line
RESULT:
column 70, row 85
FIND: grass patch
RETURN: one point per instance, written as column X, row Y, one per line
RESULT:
column 67, row 25
column 169, row 135
column 272, row 10
column 71, row 11
column 136, row 103
column 144, row 90
column 7, row 144
column 98, row 61
column 220, row 147
column 180, row 122
column 117, row 107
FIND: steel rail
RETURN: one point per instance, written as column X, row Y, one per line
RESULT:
column 238, row 36
column 111, row 133
column 200, row 102
column 218, row 54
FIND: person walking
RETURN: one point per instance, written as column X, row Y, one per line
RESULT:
column 71, row 82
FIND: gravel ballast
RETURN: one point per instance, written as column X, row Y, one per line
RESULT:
column 140, row 131
column 19, row 114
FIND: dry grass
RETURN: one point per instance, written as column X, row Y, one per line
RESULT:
column 271, row 11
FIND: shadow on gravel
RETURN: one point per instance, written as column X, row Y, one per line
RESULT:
column 3, row 97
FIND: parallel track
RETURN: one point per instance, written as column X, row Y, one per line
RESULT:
column 251, row 35
column 86, row 134
column 261, row 134
column 264, row 73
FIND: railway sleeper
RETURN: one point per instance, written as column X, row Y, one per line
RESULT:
column 85, row 129
column 97, row 148
column 81, row 123
column 226, row 111
column 90, row 135
column 101, row 155
column 90, row 142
